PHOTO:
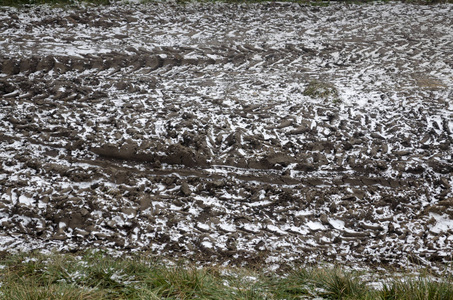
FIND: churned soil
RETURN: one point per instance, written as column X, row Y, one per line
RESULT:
column 266, row 134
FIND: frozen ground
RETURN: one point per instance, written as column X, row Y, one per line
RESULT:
column 189, row 131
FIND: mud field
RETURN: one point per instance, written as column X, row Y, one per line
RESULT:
column 235, row 134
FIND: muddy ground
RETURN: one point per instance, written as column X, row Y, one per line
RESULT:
column 237, row 134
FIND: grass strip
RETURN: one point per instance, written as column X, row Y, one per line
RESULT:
column 98, row 275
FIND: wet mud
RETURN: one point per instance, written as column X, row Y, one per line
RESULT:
column 239, row 134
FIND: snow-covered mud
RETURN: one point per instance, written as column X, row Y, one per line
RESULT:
column 241, row 134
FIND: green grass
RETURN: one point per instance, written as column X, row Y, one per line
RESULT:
column 97, row 275
column 417, row 289
column 321, row 90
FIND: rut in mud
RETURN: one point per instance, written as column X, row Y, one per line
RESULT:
column 255, row 133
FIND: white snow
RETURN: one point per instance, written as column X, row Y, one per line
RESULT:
column 315, row 225
column 337, row 224
column 443, row 223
